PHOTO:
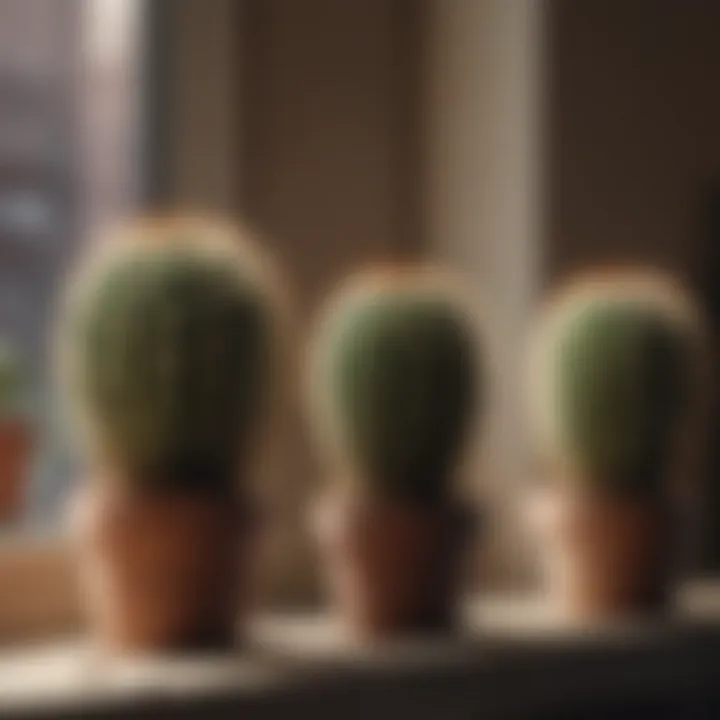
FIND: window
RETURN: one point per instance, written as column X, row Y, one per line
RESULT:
column 70, row 82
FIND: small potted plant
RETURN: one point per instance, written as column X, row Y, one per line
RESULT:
column 16, row 434
column 615, row 374
column 394, row 390
column 166, row 345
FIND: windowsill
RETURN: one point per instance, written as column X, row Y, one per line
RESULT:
column 302, row 665
column 38, row 588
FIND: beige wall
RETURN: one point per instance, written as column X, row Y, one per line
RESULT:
column 635, row 112
column 328, row 166
column 328, row 175
column 199, row 105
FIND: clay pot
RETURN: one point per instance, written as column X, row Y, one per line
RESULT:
column 162, row 573
column 15, row 451
column 605, row 558
column 391, row 569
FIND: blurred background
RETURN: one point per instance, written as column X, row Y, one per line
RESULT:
column 516, row 140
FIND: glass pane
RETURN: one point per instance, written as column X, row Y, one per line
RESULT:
column 69, row 108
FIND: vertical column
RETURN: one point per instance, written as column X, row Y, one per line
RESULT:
column 483, row 203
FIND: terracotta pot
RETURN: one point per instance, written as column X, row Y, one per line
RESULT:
column 391, row 569
column 162, row 573
column 15, row 452
column 605, row 558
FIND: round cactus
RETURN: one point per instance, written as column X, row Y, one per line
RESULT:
column 167, row 343
column 395, row 380
column 617, row 366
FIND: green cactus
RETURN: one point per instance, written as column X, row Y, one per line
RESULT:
column 396, row 374
column 168, row 348
column 621, row 377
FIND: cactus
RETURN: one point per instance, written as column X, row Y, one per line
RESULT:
column 167, row 345
column 395, row 381
column 618, row 370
